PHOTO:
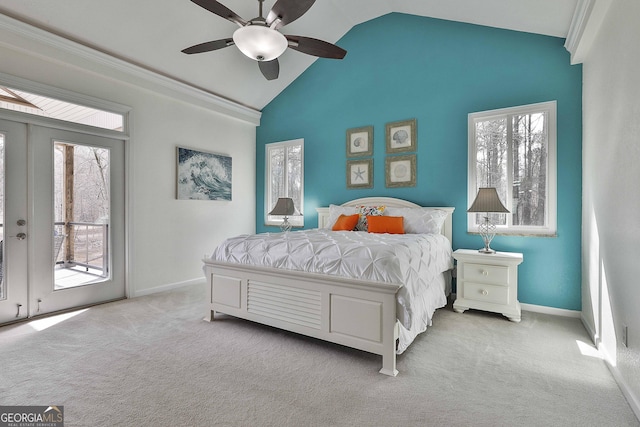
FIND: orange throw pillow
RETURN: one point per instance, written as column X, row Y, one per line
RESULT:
column 385, row 224
column 346, row 222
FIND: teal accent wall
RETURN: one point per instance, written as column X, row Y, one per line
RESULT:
column 403, row 66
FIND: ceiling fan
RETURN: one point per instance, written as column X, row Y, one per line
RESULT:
column 259, row 38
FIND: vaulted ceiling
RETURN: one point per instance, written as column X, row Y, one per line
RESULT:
column 152, row 33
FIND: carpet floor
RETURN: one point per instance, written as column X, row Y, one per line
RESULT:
column 153, row 361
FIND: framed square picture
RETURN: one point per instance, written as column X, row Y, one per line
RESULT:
column 202, row 175
column 360, row 142
column 360, row 173
column 400, row 171
column 401, row 136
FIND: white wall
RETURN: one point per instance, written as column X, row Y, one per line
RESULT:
column 611, row 194
column 168, row 237
column 172, row 236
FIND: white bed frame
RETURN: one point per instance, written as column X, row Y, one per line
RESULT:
column 356, row 313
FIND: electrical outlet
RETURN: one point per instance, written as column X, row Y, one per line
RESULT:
column 625, row 334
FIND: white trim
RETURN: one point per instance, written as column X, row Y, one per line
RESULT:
column 66, row 96
column 549, row 107
column 543, row 309
column 128, row 211
column 595, row 338
column 632, row 399
column 213, row 101
column 48, row 122
column 578, row 23
column 168, row 287
column 297, row 221
column 63, row 94
column 585, row 24
column 576, row 314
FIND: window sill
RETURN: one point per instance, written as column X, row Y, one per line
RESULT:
column 521, row 234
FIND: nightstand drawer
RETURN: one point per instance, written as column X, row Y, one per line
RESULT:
column 486, row 293
column 491, row 274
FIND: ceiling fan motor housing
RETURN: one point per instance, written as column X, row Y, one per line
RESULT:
column 259, row 42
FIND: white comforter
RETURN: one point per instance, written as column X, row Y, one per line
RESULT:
column 416, row 261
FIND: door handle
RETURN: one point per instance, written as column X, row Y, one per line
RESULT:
column 20, row 236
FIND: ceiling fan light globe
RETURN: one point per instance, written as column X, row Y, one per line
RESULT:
column 260, row 43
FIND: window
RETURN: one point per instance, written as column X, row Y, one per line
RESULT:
column 284, row 178
column 30, row 103
column 514, row 150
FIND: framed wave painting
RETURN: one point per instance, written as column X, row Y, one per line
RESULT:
column 203, row 176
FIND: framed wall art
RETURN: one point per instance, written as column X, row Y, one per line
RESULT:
column 360, row 173
column 401, row 136
column 202, row 176
column 400, row 171
column 360, row 142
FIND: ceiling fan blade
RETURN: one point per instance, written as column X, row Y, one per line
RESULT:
column 220, row 10
column 208, row 46
column 270, row 69
column 315, row 47
column 288, row 11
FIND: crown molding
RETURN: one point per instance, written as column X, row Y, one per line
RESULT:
column 585, row 24
column 151, row 79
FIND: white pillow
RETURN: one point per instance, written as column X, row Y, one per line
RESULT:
column 335, row 211
column 420, row 220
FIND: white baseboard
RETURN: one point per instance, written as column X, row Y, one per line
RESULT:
column 551, row 310
column 632, row 399
column 541, row 309
column 592, row 333
column 167, row 287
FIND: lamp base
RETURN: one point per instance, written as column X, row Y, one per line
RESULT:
column 286, row 225
column 486, row 251
column 487, row 230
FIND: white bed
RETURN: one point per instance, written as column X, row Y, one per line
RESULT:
column 368, row 314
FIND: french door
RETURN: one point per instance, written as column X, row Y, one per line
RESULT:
column 62, row 235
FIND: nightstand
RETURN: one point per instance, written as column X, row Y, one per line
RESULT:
column 488, row 282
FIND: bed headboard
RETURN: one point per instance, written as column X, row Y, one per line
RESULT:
column 323, row 213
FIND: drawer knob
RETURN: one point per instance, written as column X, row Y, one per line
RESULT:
column 485, row 273
column 484, row 292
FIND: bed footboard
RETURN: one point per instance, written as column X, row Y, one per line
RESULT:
column 355, row 313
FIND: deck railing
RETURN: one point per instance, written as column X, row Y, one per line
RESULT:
column 86, row 244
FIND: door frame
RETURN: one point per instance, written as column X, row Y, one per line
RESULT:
column 124, row 136
column 15, row 251
column 43, row 291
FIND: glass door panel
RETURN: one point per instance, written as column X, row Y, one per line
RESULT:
column 82, row 211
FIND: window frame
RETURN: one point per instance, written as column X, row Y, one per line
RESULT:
column 67, row 97
column 550, row 227
column 273, row 220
